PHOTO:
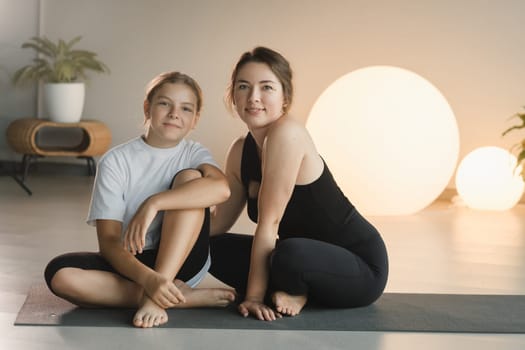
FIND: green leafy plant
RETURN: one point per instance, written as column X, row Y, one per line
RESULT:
column 519, row 147
column 58, row 62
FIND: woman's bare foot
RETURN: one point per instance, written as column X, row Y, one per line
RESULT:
column 149, row 314
column 204, row 297
column 287, row 304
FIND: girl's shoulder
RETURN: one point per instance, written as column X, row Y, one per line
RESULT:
column 189, row 145
column 128, row 147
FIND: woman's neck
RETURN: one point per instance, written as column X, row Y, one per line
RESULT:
column 259, row 135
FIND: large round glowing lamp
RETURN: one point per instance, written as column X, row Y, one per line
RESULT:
column 487, row 179
column 389, row 136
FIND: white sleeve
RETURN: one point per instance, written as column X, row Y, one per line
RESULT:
column 201, row 155
column 107, row 200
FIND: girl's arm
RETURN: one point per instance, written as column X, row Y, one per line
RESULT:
column 160, row 290
column 226, row 213
column 282, row 156
column 209, row 189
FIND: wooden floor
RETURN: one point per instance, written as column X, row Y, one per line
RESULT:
column 442, row 249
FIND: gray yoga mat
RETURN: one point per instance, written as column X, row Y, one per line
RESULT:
column 392, row 312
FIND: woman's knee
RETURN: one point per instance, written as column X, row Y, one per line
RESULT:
column 290, row 254
column 288, row 263
column 184, row 176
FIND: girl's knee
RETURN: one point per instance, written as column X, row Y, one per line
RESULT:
column 184, row 176
column 63, row 281
column 53, row 267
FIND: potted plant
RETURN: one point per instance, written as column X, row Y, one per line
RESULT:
column 519, row 147
column 62, row 69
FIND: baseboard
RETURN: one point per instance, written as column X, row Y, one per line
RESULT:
column 449, row 193
column 46, row 168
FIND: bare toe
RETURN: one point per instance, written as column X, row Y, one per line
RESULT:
column 149, row 315
column 137, row 321
column 287, row 304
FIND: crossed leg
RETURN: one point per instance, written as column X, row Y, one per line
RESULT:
column 180, row 230
column 92, row 288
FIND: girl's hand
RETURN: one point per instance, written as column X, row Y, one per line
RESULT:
column 163, row 291
column 259, row 310
column 135, row 235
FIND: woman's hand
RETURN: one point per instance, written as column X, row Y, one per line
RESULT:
column 135, row 235
column 163, row 291
column 259, row 310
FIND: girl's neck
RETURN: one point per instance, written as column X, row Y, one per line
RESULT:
column 151, row 141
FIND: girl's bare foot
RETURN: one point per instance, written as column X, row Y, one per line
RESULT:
column 204, row 297
column 149, row 314
column 287, row 304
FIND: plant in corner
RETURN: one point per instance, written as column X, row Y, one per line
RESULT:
column 519, row 147
column 62, row 69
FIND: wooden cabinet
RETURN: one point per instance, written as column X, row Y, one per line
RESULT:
column 22, row 138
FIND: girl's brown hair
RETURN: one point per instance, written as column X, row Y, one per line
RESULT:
column 173, row 77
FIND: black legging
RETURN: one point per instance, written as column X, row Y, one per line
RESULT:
column 329, row 274
column 94, row 261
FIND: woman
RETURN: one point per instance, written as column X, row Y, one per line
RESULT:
column 149, row 206
column 310, row 243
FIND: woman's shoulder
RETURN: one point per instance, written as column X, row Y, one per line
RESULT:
column 238, row 143
column 235, row 151
column 291, row 135
column 287, row 128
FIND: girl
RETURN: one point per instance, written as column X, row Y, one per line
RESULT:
column 310, row 243
column 149, row 207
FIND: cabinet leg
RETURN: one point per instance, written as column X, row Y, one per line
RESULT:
column 22, row 184
column 26, row 164
column 26, row 160
column 91, row 165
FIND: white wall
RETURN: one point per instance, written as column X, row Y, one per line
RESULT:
column 18, row 22
column 472, row 50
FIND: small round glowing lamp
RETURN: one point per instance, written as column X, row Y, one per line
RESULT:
column 487, row 179
column 389, row 137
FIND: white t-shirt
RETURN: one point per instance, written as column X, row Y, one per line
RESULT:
column 133, row 171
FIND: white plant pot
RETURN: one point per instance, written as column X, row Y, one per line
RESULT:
column 64, row 101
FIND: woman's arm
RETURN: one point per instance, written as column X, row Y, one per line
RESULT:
column 282, row 156
column 227, row 213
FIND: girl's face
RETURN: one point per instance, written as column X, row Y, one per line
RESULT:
column 172, row 114
column 258, row 95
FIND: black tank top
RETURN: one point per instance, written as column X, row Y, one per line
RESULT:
column 318, row 210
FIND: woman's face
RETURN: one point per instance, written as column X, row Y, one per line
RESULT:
column 258, row 95
column 171, row 114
